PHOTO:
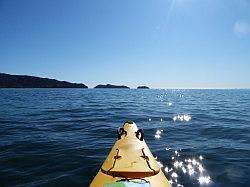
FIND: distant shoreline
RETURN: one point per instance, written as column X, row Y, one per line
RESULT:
column 110, row 86
column 25, row 81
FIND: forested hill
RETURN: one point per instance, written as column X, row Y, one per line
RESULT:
column 25, row 81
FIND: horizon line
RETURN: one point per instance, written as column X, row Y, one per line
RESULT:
column 159, row 88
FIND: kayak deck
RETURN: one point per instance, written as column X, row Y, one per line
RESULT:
column 130, row 158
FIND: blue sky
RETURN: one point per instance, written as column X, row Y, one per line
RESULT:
column 159, row 43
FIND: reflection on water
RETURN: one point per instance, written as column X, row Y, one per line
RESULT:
column 182, row 168
column 204, row 179
column 182, row 118
column 158, row 134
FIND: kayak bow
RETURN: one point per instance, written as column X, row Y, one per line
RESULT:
column 130, row 162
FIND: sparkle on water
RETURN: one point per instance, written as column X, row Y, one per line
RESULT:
column 204, row 179
column 183, row 166
column 158, row 134
column 182, row 118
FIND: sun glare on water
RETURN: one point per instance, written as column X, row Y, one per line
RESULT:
column 184, row 167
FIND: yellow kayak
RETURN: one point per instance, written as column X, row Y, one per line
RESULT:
column 130, row 163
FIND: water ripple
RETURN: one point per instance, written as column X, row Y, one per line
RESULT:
column 60, row 137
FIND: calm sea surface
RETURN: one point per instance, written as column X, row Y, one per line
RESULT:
column 60, row 137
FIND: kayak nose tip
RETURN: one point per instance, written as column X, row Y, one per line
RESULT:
column 129, row 125
column 129, row 122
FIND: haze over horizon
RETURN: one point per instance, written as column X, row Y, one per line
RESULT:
column 160, row 44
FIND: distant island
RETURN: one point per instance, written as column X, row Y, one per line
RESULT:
column 142, row 87
column 110, row 86
column 25, row 81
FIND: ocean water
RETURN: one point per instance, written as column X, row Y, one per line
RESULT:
column 60, row 137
